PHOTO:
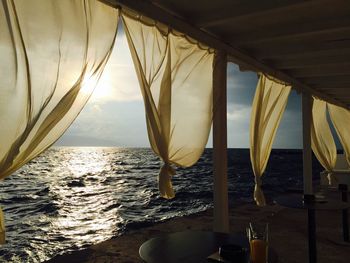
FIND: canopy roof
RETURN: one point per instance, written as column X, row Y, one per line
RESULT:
column 304, row 43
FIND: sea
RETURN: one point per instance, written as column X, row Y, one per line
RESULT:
column 69, row 198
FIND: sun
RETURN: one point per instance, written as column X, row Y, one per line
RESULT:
column 101, row 89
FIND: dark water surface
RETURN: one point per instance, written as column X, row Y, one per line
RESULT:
column 69, row 198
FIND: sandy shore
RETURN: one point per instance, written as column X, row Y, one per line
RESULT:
column 288, row 235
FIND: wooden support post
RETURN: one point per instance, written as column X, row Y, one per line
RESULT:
column 221, row 222
column 307, row 157
column 307, row 174
column 344, row 197
column 311, row 215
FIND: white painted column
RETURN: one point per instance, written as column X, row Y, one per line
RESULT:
column 221, row 221
column 307, row 157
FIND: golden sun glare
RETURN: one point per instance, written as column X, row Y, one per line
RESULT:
column 101, row 91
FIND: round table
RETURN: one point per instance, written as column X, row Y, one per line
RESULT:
column 191, row 247
column 297, row 201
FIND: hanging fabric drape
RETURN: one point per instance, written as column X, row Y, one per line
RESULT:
column 175, row 76
column 322, row 141
column 269, row 103
column 341, row 121
column 52, row 54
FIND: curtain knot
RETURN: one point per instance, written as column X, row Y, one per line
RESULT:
column 164, row 180
column 332, row 179
column 258, row 193
column 258, row 181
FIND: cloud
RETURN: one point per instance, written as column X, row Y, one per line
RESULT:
column 239, row 113
column 238, row 119
column 240, row 86
column 96, row 108
column 289, row 134
column 113, row 123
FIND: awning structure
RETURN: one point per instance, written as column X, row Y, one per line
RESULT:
column 303, row 43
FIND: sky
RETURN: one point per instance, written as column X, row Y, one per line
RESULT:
column 115, row 116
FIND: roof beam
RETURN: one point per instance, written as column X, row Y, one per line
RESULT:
column 235, row 55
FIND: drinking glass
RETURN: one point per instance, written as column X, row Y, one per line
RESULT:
column 258, row 239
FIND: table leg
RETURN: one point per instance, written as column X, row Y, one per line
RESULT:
column 344, row 196
column 345, row 225
column 312, row 235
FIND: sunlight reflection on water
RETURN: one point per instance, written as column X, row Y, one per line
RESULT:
column 70, row 198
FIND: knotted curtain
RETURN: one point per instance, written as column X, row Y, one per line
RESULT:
column 341, row 121
column 175, row 76
column 269, row 103
column 52, row 55
column 322, row 141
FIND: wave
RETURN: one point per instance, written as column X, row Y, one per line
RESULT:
column 69, row 198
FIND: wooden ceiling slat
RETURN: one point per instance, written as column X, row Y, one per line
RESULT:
column 309, row 62
column 287, row 29
column 321, row 70
column 305, row 12
column 225, row 14
column 334, row 88
column 345, row 96
column 269, row 14
column 342, row 92
column 326, row 81
column 314, row 54
column 326, row 37
column 267, row 52
column 327, row 34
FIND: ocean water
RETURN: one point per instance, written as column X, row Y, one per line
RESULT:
column 70, row 197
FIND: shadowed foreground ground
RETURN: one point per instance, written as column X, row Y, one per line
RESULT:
column 288, row 235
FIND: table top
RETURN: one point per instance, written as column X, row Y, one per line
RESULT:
column 296, row 201
column 190, row 246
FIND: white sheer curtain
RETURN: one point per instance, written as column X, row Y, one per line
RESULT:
column 175, row 76
column 322, row 141
column 52, row 54
column 341, row 121
column 269, row 103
